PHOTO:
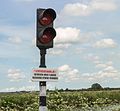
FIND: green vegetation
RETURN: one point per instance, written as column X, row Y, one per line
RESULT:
column 96, row 86
column 62, row 101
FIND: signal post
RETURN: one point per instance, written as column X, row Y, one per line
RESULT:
column 45, row 33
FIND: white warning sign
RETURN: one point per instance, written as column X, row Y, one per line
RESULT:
column 45, row 74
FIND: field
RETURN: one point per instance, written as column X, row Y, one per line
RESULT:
column 62, row 101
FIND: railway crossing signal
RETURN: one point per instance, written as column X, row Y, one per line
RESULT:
column 45, row 31
column 45, row 34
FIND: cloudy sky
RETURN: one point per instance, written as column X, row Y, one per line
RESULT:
column 86, row 48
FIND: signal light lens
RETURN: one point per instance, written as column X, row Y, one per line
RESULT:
column 48, row 35
column 46, row 20
column 47, row 17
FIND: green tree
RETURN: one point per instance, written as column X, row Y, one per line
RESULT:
column 96, row 86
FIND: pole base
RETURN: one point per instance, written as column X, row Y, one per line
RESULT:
column 42, row 108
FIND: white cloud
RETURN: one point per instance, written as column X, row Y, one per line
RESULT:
column 62, row 46
column 11, row 89
column 16, row 40
column 105, row 74
column 92, row 57
column 100, row 65
column 68, row 74
column 81, row 9
column 14, row 32
column 76, row 9
column 64, row 68
column 108, row 72
column 34, row 41
column 59, row 49
column 105, row 70
column 15, row 75
column 56, row 52
column 79, row 50
column 27, row 88
column 105, row 43
column 31, row 87
column 52, row 85
column 23, row 88
column 103, row 5
column 103, row 65
column 67, row 35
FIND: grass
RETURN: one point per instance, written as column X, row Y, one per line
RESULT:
column 63, row 101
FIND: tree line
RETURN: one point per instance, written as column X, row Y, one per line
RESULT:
column 94, row 87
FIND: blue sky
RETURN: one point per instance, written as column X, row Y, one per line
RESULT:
column 86, row 48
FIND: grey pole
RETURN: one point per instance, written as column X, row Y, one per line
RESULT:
column 42, row 84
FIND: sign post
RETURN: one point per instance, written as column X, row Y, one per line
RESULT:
column 42, row 84
column 45, row 34
column 42, row 75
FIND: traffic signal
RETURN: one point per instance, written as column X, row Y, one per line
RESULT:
column 45, row 31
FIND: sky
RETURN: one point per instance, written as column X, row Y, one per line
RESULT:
column 86, row 47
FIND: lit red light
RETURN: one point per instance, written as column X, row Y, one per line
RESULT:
column 48, row 35
column 46, row 38
column 46, row 19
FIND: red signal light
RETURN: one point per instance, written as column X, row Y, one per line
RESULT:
column 47, row 17
column 46, row 20
column 47, row 36
column 45, row 31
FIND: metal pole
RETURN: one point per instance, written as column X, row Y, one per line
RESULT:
column 42, row 84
